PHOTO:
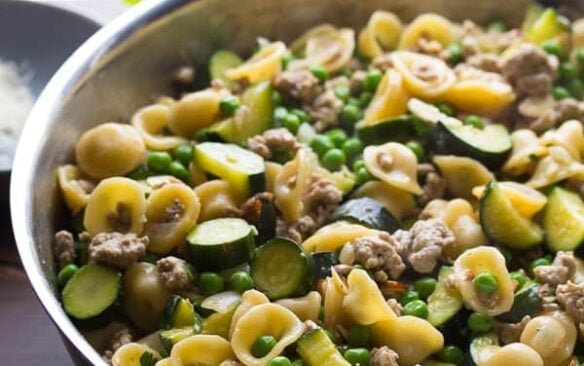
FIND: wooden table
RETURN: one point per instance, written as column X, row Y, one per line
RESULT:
column 28, row 335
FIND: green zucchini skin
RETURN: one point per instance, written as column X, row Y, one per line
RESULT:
column 316, row 349
column 222, row 61
column 396, row 129
column 563, row 220
column 527, row 302
column 368, row 212
column 323, row 263
column 178, row 312
column 170, row 337
column 444, row 142
column 263, row 216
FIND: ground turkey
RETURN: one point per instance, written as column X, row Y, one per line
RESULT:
column 64, row 248
column 119, row 339
column 384, row 356
column 299, row 85
column 510, row 332
column 571, row 297
column 175, row 273
column 273, row 141
column 117, row 249
column 530, row 70
column 559, row 272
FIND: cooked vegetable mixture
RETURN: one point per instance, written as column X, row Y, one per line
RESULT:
column 404, row 194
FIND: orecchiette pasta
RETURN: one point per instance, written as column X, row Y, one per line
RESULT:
column 557, row 166
column 484, row 260
column 291, row 183
column 332, row 49
column 299, row 44
column 272, row 172
column 382, row 33
column 249, row 299
column 527, row 201
column 526, row 149
column 553, row 336
column 333, row 236
column 171, row 212
column 570, row 135
column 150, row 122
column 98, row 150
column 197, row 175
column 116, row 204
column 216, row 196
column 75, row 187
column 334, row 293
column 264, row 65
column 390, row 99
column 516, row 354
column 193, row 112
column 164, row 362
column 306, row 307
column 202, row 350
column 430, row 27
column 396, row 201
column 394, row 164
column 260, row 320
column 423, row 76
column 462, row 174
column 364, row 303
column 131, row 353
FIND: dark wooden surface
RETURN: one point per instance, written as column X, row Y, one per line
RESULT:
column 28, row 335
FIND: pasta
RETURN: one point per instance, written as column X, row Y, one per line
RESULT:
column 526, row 148
column 462, row 174
column 570, row 136
column 201, row 349
column 193, row 112
column 423, row 76
column 557, row 166
column 264, row 65
column 553, row 336
column 331, row 48
column 396, row 201
column 527, row 201
column 291, row 183
column 430, row 27
column 390, row 99
column 394, row 164
column 215, row 197
column 332, row 237
column 249, row 299
column 334, row 293
column 364, row 303
column 382, row 33
column 74, row 187
column 131, row 353
column 305, row 307
column 150, row 122
column 514, row 353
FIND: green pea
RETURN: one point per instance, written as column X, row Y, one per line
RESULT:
column 304, row 117
column 333, row 159
column 425, row 286
column 456, row 53
column 416, row 308
column 320, row 144
column 359, row 336
column 518, row 276
column 347, row 72
column 66, row 273
column 372, row 80
column 446, row 108
column 363, row 176
column 331, row 335
column 298, row 362
column 486, row 283
column 354, row 101
column 350, row 114
column 479, row 323
column 365, row 99
column 291, row 122
column 352, row 147
column 229, row 105
column 497, row 26
column 409, row 297
column 286, row 60
column 576, row 88
column 177, row 170
column 263, row 345
column 358, row 164
column 539, row 262
column 280, row 113
column 560, row 93
column 276, row 97
column 202, row 135
column 417, row 149
column 280, row 361
column 337, row 136
column 580, row 56
column 319, row 72
column 553, row 47
column 451, row 354
column 357, row 356
column 282, row 156
column 184, row 154
column 240, row 281
column 474, row 121
column 343, row 92
column 210, row 283
column 568, row 70
column 158, row 161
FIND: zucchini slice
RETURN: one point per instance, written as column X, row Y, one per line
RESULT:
column 222, row 61
column 316, row 349
column 259, row 100
column 170, row 337
column 563, row 220
column 322, row 264
column 242, row 168
column 480, row 342
column 280, row 268
column 179, row 312
column 444, row 302
column 221, row 243
column 367, row 212
column 490, row 145
column 395, row 129
column 503, row 224
column 92, row 291
column 526, row 302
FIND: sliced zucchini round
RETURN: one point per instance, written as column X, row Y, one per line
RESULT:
column 170, row 337
column 526, row 301
column 395, row 129
column 178, row 312
column 242, row 168
column 92, row 291
column 323, row 262
column 563, row 220
column 280, row 268
column 221, row 243
column 222, row 61
column 490, row 145
column 367, row 212
column 443, row 303
column 503, row 223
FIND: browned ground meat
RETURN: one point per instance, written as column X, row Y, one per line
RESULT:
column 175, row 273
column 384, row 356
column 484, row 61
column 121, row 219
column 422, row 244
column 64, row 248
column 300, row 85
column 321, row 198
column 325, row 110
column 571, row 297
column 530, row 70
column 251, row 209
column 395, row 306
column 510, row 332
column 117, row 249
column 382, row 62
column 356, row 84
column 559, row 272
column 272, row 141
column 296, row 231
column 174, row 211
column 433, row 185
column 378, row 253
column 558, row 112
column 119, row 339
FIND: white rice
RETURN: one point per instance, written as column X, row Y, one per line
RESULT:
column 16, row 102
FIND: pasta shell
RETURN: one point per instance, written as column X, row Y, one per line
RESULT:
column 263, row 66
column 432, row 27
column 412, row 338
column 129, row 354
column 197, row 175
column 364, row 303
column 552, row 337
column 570, row 135
column 291, row 184
column 110, row 149
column 249, row 299
column 390, row 99
column 322, row 30
column 151, row 122
column 201, row 350
column 272, row 171
column 164, row 362
column 527, row 201
column 116, row 204
column 171, row 212
column 460, row 218
column 578, row 34
column 478, row 260
column 394, row 164
column 331, row 50
column 74, row 187
column 424, row 76
column 332, row 237
column 526, row 150
column 216, row 196
column 382, row 33
column 557, row 166
column 399, row 203
column 265, row 319
column 462, row 174
column 334, row 294
column 516, row 354
column 306, row 307
column 193, row 112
